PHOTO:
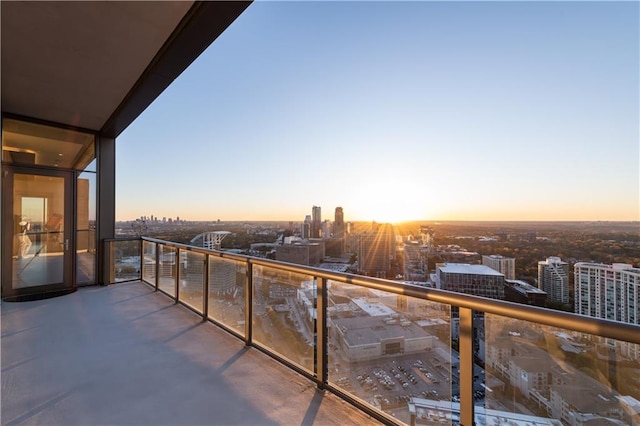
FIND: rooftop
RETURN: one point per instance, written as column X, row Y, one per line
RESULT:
column 524, row 287
column 465, row 268
column 124, row 354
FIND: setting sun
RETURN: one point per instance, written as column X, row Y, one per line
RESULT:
column 387, row 200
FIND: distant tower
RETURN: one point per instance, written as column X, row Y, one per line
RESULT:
column 553, row 278
column 326, row 228
column 338, row 223
column 316, row 222
column 305, row 229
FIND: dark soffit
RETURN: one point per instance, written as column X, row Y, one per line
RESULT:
column 200, row 27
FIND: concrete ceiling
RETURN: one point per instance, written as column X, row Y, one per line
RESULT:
column 98, row 65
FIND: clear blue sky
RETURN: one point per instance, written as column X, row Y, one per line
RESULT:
column 398, row 111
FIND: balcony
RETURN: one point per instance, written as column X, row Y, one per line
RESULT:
column 200, row 336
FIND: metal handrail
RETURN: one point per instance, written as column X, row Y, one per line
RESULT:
column 570, row 321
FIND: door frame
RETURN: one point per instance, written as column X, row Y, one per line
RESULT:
column 68, row 283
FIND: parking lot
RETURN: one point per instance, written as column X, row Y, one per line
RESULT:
column 390, row 382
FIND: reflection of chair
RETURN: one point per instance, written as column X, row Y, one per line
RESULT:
column 53, row 229
column 53, row 226
column 23, row 239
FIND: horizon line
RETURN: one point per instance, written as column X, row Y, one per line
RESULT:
column 416, row 220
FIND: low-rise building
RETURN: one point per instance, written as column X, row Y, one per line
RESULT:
column 303, row 253
column 519, row 291
column 369, row 337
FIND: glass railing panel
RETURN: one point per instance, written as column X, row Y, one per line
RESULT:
column 284, row 314
column 149, row 262
column 192, row 279
column 227, row 279
column 527, row 371
column 167, row 269
column 393, row 352
column 124, row 260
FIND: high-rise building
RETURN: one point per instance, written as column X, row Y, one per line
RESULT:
column 553, row 278
column 305, row 228
column 479, row 280
column 504, row 265
column 316, row 222
column 607, row 291
column 326, row 229
column 338, row 223
column 376, row 251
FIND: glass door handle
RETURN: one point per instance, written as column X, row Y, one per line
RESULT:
column 66, row 244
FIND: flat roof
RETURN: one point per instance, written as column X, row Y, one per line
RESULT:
column 524, row 287
column 374, row 309
column 373, row 330
column 465, row 268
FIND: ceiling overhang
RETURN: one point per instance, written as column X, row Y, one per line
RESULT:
column 99, row 65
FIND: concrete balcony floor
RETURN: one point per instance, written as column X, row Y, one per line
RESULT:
column 126, row 355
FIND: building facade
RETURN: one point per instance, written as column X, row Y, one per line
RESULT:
column 522, row 292
column 607, row 291
column 305, row 253
column 553, row 279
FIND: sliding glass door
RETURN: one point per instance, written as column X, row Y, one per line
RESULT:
column 37, row 231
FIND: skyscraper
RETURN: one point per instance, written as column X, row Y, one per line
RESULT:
column 316, row 222
column 607, row 291
column 305, row 229
column 338, row 223
column 505, row 265
column 553, row 278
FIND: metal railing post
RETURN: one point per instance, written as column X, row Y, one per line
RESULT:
column 141, row 257
column 177, row 282
column 321, row 332
column 248, row 304
column 466, row 367
column 157, row 266
column 205, row 289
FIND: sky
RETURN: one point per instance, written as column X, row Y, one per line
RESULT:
column 398, row 111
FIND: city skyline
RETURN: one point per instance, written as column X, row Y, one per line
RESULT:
column 395, row 112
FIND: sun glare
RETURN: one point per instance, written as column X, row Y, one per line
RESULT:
column 385, row 201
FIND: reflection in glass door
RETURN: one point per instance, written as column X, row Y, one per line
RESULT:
column 37, row 230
